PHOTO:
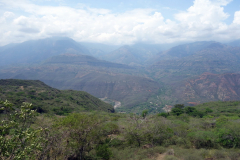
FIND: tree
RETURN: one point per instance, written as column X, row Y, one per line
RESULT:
column 177, row 111
column 189, row 110
column 84, row 131
column 144, row 113
column 180, row 106
column 163, row 114
column 208, row 110
column 103, row 151
column 137, row 130
column 17, row 139
column 194, row 112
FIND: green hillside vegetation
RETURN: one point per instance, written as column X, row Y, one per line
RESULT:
column 49, row 100
column 227, row 108
column 186, row 133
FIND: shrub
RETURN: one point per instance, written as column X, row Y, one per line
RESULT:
column 177, row 111
column 85, row 131
column 103, row 151
column 229, row 136
column 163, row 114
column 203, row 139
column 17, row 139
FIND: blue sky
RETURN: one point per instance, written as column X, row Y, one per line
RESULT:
column 120, row 21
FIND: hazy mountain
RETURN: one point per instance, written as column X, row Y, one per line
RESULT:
column 213, row 57
column 235, row 43
column 36, row 51
column 2, row 48
column 83, row 60
column 97, row 77
column 113, row 52
column 182, row 51
column 98, row 50
column 134, row 55
column 125, row 55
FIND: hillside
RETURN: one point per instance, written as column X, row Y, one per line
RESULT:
column 49, row 100
column 209, row 87
column 193, row 91
column 227, row 108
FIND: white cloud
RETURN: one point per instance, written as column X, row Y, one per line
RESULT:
column 8, row 14
column 202, row 21
column 236, row 18
column 203, row 12
column 221, row 2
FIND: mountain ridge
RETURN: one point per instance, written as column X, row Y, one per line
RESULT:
column 47, row 99
column 36, row 51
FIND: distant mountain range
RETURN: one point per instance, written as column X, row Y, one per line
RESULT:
column 132, row 74
column 135, row 55
column 97, row 77
column 36, row 51
column 188, row 60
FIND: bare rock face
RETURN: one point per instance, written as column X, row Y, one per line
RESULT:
column 210, row 87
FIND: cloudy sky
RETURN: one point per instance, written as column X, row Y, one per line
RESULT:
column 120, row 21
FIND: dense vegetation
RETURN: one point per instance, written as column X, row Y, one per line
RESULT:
column 201, row 132
column 87, row 130
column 49, row 100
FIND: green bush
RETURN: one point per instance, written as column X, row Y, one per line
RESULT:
column 103, row 151
column 163, row 114
column 17, row 139
column 203, row 139
column 229, row 136
column 177, row 111
column 116, row 142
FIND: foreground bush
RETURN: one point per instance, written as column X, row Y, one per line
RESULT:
column 17, row 139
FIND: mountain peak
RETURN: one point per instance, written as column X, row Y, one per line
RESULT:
column 37, row 51
column 215, row 45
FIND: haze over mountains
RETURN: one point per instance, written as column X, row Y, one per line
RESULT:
column 133, row 75
column 36, row 51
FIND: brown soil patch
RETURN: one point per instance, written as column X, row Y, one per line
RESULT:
column 161, row 156
column 21, row 87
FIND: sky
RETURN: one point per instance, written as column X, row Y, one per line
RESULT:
column 120, row 22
